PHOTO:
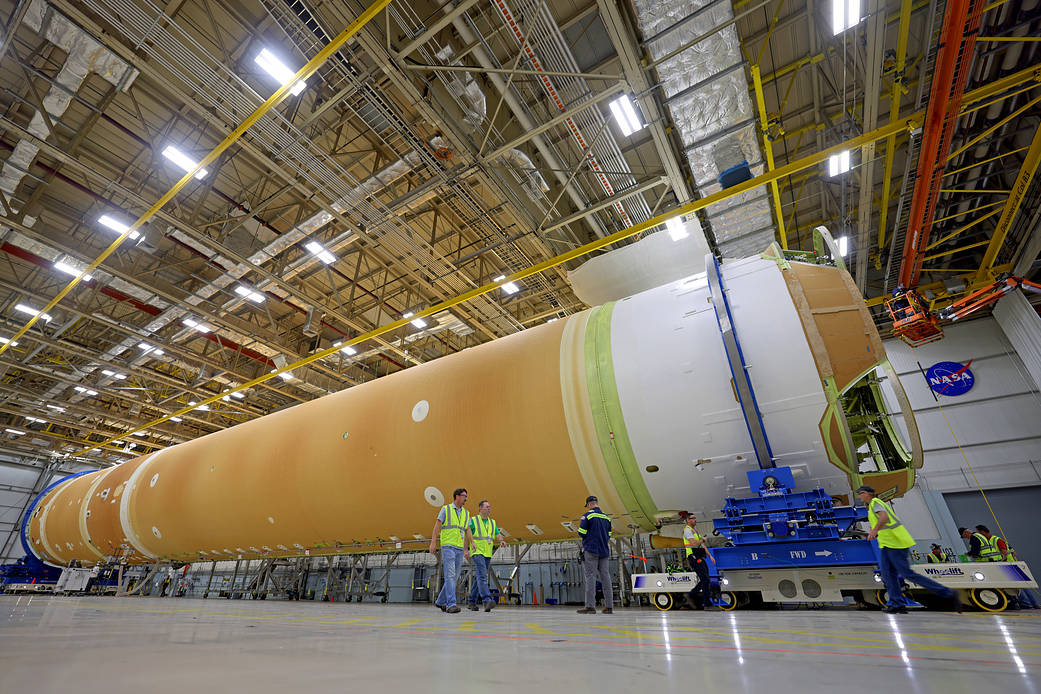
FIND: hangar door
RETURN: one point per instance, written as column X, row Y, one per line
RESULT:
column 1017, row 509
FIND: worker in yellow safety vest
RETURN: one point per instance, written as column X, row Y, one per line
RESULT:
column 997, row 549
column 894, row 543
column 484, row 530
column 697, row 553
column 452, row 530
column 936, row 555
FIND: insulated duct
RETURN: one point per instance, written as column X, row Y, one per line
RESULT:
column 83, row 56
column 706, row 93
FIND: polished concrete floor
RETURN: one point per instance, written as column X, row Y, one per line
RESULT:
column 96, row 644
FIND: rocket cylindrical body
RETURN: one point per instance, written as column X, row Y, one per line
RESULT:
column 633, row 401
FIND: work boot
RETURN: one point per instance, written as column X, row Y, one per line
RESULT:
column 607, row 610
column 895, row 610
column 474, row 607
column 453, row 609
column 488, row 605
column 954, row 603
column 443, row 608
column 587, row 610
column 712, row 608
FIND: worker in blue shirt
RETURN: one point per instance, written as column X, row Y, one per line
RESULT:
column 595, row 529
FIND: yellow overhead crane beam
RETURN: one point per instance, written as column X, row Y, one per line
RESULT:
column 894, row 113
column 912, row 122
column 306, row 71
column 1012, row 204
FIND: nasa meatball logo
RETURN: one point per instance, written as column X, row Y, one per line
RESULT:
column 950, row 378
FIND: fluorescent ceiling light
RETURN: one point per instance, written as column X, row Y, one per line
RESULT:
column 36, row 419
column 843, row 242
column 114, row 374
column 508, row 287
column 140, row 433
column 677, row 229
column 116, row 225
column 5, row 340
column 149, row 348
column 85, row 391
column 204, row 408
column 23, row 308
column 182, row 160
column 16, row 432
column 247, row 293
column 838, row 163
column 56, row 408
column 175, row 419
column 196, row 325
column 551, row 320
column 845, row 14
column 279, row 70
column 238, row 395
column 418, row 322
column 346, row 350
column 69, row 269
column 319, row 250
column 626, row 116
column 285, row 375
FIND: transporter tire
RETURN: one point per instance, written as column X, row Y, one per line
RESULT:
column 663, row 601
column 729, row 601
column 989, row 599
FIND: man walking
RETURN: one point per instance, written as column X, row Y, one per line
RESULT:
column 452, row 529
column 484, row 530
column 595, row 529
column 697, row 553
column 895, row 542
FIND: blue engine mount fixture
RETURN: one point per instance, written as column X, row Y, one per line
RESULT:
column 782, row 528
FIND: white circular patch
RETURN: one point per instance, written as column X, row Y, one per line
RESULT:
column 155, row 531
column 298, row 545
column 420, row 411
column 155, row 478
column 433, row 496
column 270, row 520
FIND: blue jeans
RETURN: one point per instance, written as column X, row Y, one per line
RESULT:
column 451, row 560
column 896, row 564
column 1027, row 601
column 480, row 591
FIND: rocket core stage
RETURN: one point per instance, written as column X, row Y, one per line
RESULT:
column 634, row 401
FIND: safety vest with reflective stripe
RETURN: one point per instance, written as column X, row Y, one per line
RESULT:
column 484, row 535
column 893, row 535
column 696, row 538
column 933, row 559
column 997, row 550
column 988, row 551
column 454, row 526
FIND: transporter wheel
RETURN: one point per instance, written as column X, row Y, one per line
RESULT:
column 882, row 596
column 728, row 601
column 663, row 601
column 989, row 599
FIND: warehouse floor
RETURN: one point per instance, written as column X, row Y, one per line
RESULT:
column 50, row 644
